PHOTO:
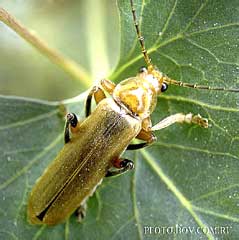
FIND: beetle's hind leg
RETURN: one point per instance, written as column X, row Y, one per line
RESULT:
column 122, row 165
column 71, row 125
column 81, row 212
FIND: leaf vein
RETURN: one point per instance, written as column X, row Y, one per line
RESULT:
column 195, row 15
column 67, row 230
column 167, row 21
column 31, row 163
column 100, row 207
column 221, row 128
column 209, row 212
column 120, row 228
column 10, row 234
column 140, row 56
column 208, row 194
column 169, row 183
column 202, row 104
column 39, row 232
column 30, row 120
column 135, row 208
column 212, row 29
column 166, row 42
column 209, row 52
column 22, row 201
column 187, row 148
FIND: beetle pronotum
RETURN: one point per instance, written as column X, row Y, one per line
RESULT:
column 93, row 147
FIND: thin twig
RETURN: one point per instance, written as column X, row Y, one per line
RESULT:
column 57, row 58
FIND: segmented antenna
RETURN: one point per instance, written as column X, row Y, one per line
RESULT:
column 189, row 85
column 140, row 37
column 160, row 76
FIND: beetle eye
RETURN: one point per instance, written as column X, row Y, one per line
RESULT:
column 142, row 70
column 164, row 87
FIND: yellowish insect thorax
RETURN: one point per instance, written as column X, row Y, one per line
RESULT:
column 138, row 94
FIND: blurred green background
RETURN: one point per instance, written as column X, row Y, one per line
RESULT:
column 86, row 31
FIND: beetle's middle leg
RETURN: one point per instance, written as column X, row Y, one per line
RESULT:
column 145, row 134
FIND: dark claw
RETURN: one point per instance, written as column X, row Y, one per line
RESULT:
column 72, row 119
column 127, row 164
column 130, row 165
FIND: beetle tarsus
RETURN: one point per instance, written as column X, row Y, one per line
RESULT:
column 81, row 212
column 123, row 166
column 71, row 121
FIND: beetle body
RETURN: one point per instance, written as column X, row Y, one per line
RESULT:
column 82, row 163
column 96, row 144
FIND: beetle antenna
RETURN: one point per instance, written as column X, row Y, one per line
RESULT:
column 189, row 85
column 140, row 37
column 157, row 73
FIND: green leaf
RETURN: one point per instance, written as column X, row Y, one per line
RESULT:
column 188, row 178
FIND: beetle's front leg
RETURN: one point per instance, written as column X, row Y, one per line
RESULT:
column 108, row 85
column 98, row 94
column 71, row 125
column 122, row 165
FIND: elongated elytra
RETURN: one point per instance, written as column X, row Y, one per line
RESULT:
column 94, row 146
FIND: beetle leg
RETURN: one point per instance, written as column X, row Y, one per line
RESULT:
column 146, row 124
column 81, row 212
column 147, row 136
column 181, row 118
column 108, row 85
column 123, row 166
column 98, row 94
column 71, row 124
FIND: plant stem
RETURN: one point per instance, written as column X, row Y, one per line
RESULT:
column 68, row 65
